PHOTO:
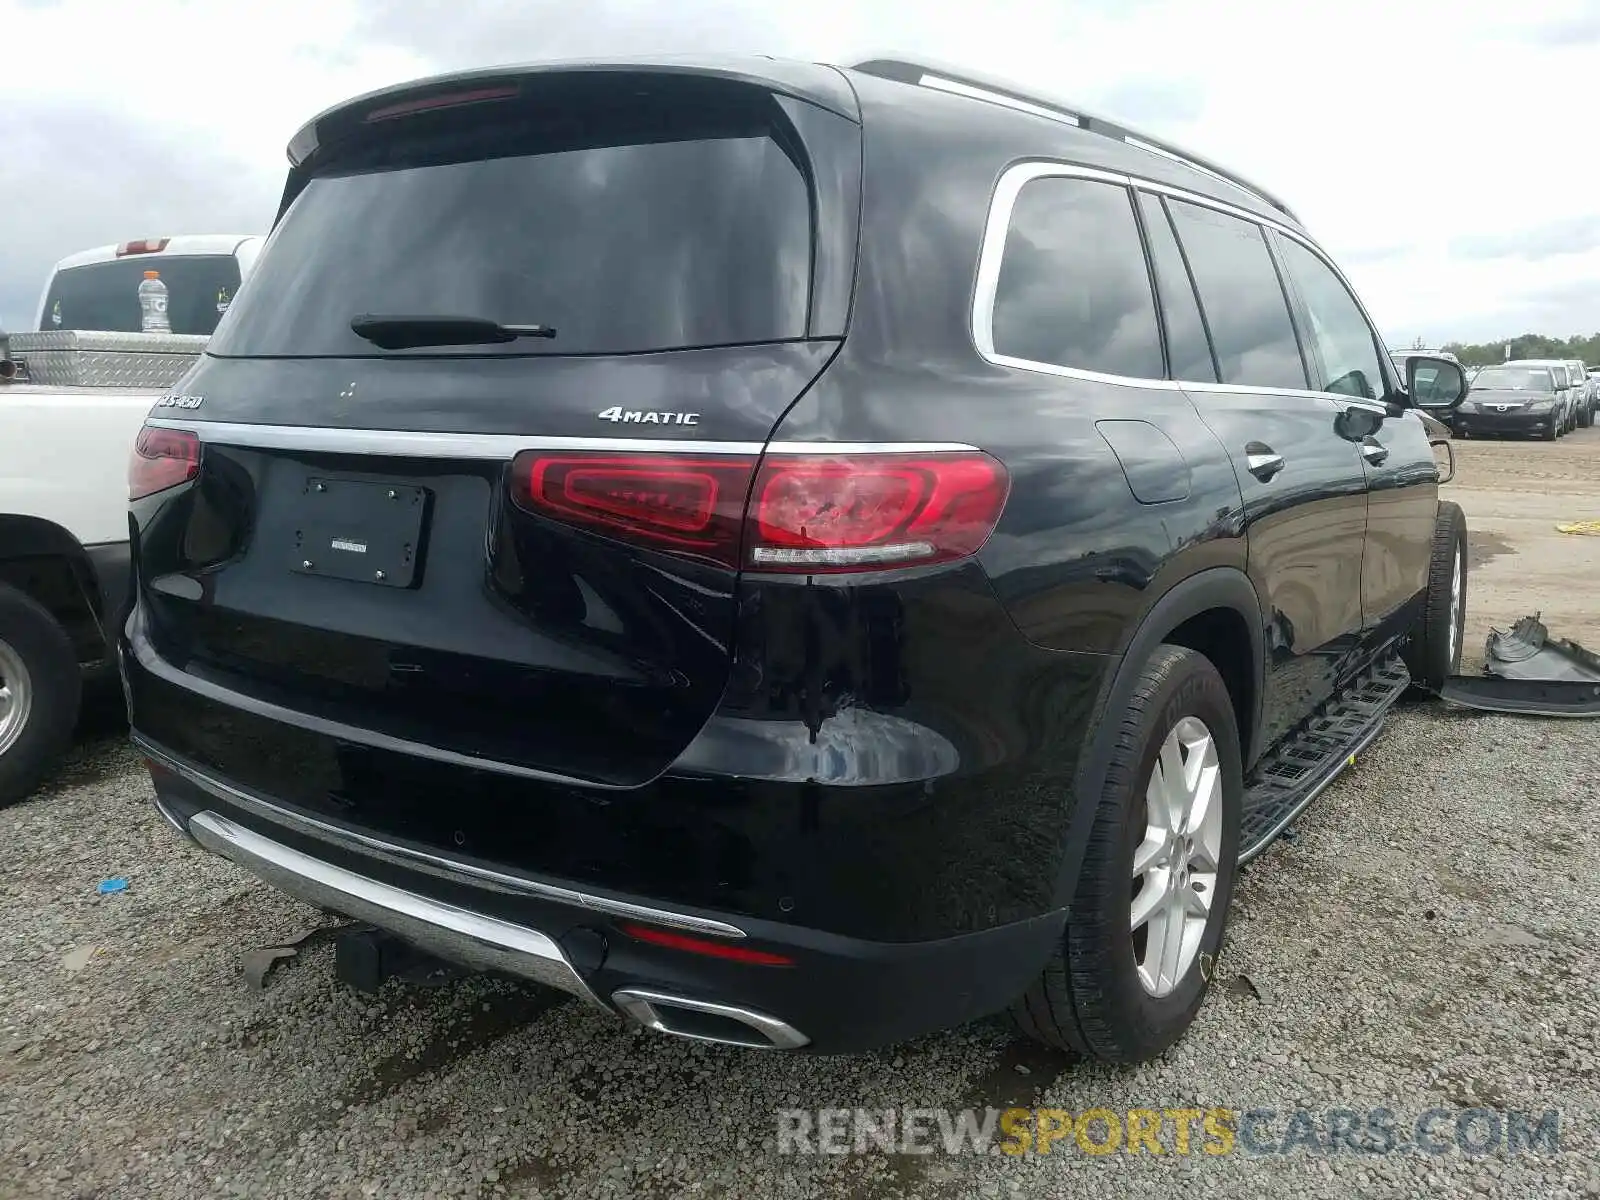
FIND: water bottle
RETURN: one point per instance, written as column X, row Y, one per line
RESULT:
column 153, row 304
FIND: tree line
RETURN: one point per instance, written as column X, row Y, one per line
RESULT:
column 1529, row 345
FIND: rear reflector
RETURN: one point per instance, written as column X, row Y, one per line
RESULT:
column 784, row 513
column 162, row 458
column 144, row 246
column 694, row 945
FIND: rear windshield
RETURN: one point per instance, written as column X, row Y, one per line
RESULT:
column 1513, row 379
column 634, row 227
column 105, row 296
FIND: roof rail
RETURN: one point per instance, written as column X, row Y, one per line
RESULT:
column 961, row 82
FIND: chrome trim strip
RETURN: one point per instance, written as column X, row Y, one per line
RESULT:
column 641, row 1004
column 403, row 855
column 453, row 933
column 408, row 443
column 867, row 447
column 171, row 817
column 992, row 252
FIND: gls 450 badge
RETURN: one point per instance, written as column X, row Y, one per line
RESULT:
column 180, row 402
column 647, row 417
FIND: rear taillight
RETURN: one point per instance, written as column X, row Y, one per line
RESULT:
column 162, row 458
column 784, row 512
column 691, row 506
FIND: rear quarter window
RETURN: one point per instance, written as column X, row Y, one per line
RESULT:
column 1073, row 288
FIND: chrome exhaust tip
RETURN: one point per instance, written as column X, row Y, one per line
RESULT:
column 707, row 1021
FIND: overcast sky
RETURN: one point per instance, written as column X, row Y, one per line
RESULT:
column 1376, row 121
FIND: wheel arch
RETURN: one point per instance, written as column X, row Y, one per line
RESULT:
column 47, row 563
column 1215, row 612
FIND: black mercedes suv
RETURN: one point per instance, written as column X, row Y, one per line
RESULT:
column 793, row 556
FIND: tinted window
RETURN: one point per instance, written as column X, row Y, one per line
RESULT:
column 1073, row 288
column 627, row 226
column 1188, row 351
column 105, row 296
column 1244, row 303
column 1344, row 340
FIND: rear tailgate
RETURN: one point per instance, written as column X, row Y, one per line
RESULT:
column 513, row 550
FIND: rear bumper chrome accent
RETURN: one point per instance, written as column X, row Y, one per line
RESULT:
column 654, row 1010
column 450, row 932
column 173, row 819
column 419, row 859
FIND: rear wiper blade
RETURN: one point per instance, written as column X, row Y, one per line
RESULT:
column 396, row 332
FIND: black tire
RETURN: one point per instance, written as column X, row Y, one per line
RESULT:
column 29, row 635
column 1552, row 433
column 1089, row 998
column 1433, row 652
column 1585, row 418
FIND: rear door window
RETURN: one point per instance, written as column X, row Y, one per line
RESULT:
column 628, row 227
column 1188, row 349
column 1073, row 289
column 1243, row 298
column 105, row 296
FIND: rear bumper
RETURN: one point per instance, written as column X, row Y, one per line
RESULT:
column 838, row 994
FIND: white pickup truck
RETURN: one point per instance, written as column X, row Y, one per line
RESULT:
column 73, row 395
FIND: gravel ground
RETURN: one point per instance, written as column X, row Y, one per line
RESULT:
column 1427, row 939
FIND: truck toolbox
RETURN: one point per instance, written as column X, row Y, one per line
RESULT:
column 88, row 358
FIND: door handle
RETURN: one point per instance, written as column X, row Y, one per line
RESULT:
column 1262, row 461
column 1374, row 452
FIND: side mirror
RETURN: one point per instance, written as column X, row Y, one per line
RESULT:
column 1435, row 383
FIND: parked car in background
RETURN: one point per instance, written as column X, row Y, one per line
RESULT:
column 763, row 588
column 1568, row 388
column 1587, row 394
column 1514, row 398
column 73, row 397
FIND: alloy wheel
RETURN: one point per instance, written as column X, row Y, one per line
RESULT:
column 1175, row 865
column 16, row 697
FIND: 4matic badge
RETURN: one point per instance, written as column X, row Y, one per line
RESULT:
column 648, row 417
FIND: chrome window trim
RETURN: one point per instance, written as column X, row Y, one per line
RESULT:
column 405, row 443
column 401, row 854
column 992, row 252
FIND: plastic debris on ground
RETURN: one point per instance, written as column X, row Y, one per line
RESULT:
column 1528, row 672
column 107, row 887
